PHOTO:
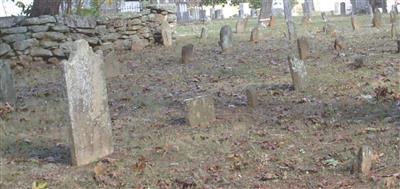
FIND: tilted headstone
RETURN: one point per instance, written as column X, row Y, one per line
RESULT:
column 200, row 111
column 354, row 23
column 241, row 25
column 330, row 29
column 365, row 158
column 8, row 93
column 298, row 72
column 225, row 38
column 166, row 34
column 256, row 35
column 272, row 22
column 89, row 115
column 187, row 54
column 203, row 34
column 251, row 95
column 303, row 48
column 377, row 19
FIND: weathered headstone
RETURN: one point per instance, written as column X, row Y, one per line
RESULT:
column 187, row 54
column 200, row 111
column 7, row 89
column 354, row 23
column 359, row 62
column 272, row 22
column 225, row 38
column 394, row 31
column 324, row 17
column 339, row 44
column 89, row 116
column 251, row 95
column 241, row 25
column 377, row 19
column 398, row 46
column 203, row 34
column 112, row 66
column 166, row 34
column 256, row 35
column 303, row 48
column 298, row 72
column 330, row 29
column 364, row 161
column 393, row 17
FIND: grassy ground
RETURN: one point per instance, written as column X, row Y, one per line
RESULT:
column 290, row 140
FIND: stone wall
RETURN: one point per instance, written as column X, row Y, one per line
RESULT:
column 49, row 38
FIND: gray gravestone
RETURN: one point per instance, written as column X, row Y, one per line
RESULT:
column 256, row 35
column 112, row 65
column 225, row 38
column 7, row 90
column 298, row 72
column 204, row 33
column 200, row 111
column 303, row 48
column 187, row 53
column 166, row 34
column 89, row 116
column 251, row 95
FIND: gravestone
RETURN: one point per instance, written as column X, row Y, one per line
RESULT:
column 398, row 46
column 166, row 34
column 394, row 31
column 251, row 95
column 203, row 34
column 272, row 22
column 339, row 43
column 377, row 19
column 241, row 25
column 112, row 66
column 298, row 72
column 225, row 38
column 89, row 116
column 303, row 48
column 364, row 161
column 256, row 35
column 187, row 54
column 200, row 111
column 7, row 89
column 354, row 23
column 393, row 17
column 330, row 29
column 324, row 17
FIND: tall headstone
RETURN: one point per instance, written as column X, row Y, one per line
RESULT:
column 7, row 89
column 303, row 48
column 166, row 34
column 324, row 17
column 256, row 35
column 398, row 46
column 393, row 17
column 298, row 72
column 89, row 115
column 394, row 31
column 200, row 111
column 225, row 38
column 272, row 22
column 187, row 54
column 251, row 95
column 365, row 158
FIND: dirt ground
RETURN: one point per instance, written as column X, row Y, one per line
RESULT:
column 290, row 140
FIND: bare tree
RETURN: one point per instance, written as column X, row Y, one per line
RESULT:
column 289, row 19
column 266, row 10
column 45, row 7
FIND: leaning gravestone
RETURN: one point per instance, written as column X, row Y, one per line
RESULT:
column 166, row 34
column 200, row 111
column 187, row 54
column 88, row 106
column 303, row 48
column 298, row 72
column 7, row 90
column 225, row 38
column 364, row 162
column 203, row 34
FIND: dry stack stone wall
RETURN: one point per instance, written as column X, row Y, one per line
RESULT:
column 24, row 39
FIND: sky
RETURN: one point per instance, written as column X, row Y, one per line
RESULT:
column 8, row 8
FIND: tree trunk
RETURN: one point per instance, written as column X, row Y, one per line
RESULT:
column 266, row 11
column 45, row 7
column 289, row 19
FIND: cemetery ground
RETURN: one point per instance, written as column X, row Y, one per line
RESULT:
column 290, row 139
